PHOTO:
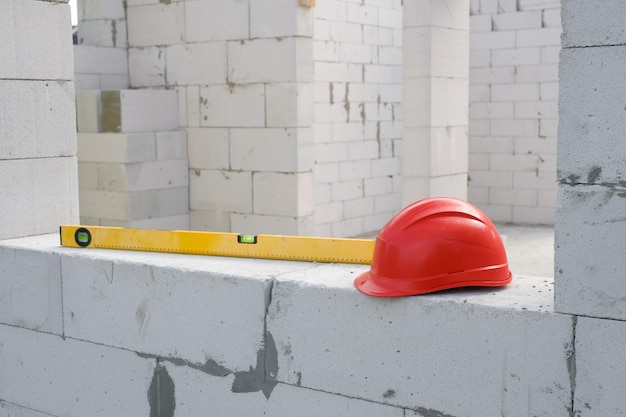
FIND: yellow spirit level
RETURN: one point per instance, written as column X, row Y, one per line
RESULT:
column 280, row 247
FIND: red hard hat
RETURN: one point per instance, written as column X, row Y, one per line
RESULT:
column 432, row 245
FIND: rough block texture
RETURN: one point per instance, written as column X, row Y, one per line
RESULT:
column 256, row 346
column 587, row 25
column 599, row 367
column 132, row 301
column 155, row 24
column 589, row 281
column 30, row 289
column 35, row 41
column 286, row 400
column 37, row 362
column 39, row 195
column 591, row 121
column 139, row 205
column 37, row 119
column 108, row 67
column 396, row 351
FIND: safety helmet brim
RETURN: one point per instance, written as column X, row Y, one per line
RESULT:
column 376, row 286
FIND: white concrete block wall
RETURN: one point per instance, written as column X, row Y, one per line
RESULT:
column 38, row 146
column 122, row 378
column 513, row 102
column 411, row 358
column 357, row 116
column 286, row 338
column 590, row 173
column 101, row 60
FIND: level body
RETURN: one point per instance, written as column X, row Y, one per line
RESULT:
column 279, row 247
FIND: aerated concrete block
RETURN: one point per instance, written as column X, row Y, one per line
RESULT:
column 178, row 222
column 599, row 367
column 103, row 32
column 208, row 148
column 230, row 191
column 442, row 102
column 202, row 393
column 146, row 66
column 143, row 176
column 97, row 9
column 66, row 377
column 132, row 111
column 263, row 60
column 35, row 41
column 586, row 25
column 279, row 19
column 156, row 24
column 283, row 194
column 591, row 122
column 30, row 289
column 38, row 119
column 272, row 225
column 171, row 145
column 289, row 104
column 90, row 59
column 134, row 206
column 201, row 311
column 589, row 281
column 205, row 20
column 88, row 110
column 402, row 351
column 39, row 195
column 256, row 149
column 232, row 105
column 117, row 148
column 209, row 221
column 196, row 63
column 437, row 52
column 434, row 13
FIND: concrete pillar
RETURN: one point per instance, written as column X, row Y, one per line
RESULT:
column 38, row 175
column 590, row 266
column 436, row 71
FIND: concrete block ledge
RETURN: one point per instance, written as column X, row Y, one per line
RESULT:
column 227, row 336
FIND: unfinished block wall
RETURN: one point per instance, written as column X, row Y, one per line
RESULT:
column 435, row 91
column 101, row 60
column 357, row 121
column 38, row 175
column 132, row 157
column 514, row 60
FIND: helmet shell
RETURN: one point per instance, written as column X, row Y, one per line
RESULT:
column 435, row 244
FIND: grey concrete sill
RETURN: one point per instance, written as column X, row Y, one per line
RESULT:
column 272, row 327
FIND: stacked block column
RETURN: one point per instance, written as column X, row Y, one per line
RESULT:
column 357, row 51
column 592, row 179
column 100, row 53
column 513, row 108
column 38, row 175
column 436, row 39
column 589, row 224
column 133, row 169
